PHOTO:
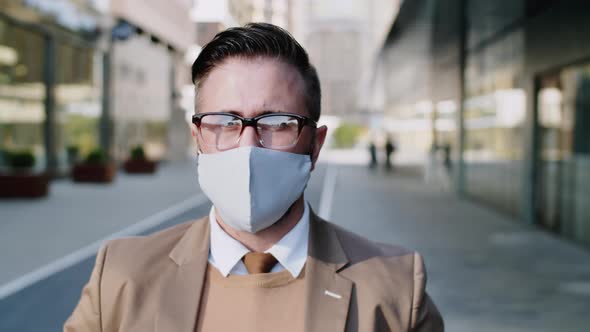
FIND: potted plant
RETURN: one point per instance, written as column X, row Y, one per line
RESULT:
column 95, row 168
column 72, row 153
column 20, row 181
column 138, row 163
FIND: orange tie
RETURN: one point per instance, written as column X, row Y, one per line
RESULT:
column 258, row 262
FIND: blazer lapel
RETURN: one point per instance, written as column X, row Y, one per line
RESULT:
column 327, row 293
column 182, row 284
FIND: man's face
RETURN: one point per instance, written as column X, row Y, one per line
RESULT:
column 251, row 87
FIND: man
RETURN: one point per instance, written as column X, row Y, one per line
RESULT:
column 261, row 260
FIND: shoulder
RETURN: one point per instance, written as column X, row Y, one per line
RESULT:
column 381, row 266
column 140, row 254
column 360, row 250
column 388, row 278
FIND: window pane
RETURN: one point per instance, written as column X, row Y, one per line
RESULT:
column 78, row 103
column 22, row 91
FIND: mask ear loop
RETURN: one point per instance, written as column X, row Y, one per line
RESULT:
column 199, row 152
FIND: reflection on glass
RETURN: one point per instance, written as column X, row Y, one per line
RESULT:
column 495, row 109
column 493, row 140
column 563, row 183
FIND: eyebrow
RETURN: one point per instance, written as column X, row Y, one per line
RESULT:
column 257, row 114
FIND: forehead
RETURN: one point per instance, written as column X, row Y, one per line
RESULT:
column 252, row 86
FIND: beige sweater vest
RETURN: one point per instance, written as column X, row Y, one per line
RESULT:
column 254, row 302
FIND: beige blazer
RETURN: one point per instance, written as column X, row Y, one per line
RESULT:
column 153, row 283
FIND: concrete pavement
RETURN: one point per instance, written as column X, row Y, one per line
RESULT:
column 36, row 232
column 486, row 271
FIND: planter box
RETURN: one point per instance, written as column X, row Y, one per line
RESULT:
column 139, row 166
column 93, row 173
column 24, row 185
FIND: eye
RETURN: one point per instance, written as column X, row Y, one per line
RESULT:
column 232, row 124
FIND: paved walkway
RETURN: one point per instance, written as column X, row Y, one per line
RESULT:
column 36, row 232
column 486, row 272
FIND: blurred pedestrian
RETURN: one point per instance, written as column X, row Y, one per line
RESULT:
column 389, row 150
column 262, row 260
column 373, row 154
column 446, row 148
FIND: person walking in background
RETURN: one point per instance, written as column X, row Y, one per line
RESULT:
column 261, row 260
column 373, row 154
column 447, row 157
column 389, row 150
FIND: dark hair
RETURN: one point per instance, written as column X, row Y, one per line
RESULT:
column 260, row 40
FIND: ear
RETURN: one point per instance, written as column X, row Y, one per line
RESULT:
column 318, row 143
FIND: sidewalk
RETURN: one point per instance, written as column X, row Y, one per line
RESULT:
column 486, row 272
column 36, row 232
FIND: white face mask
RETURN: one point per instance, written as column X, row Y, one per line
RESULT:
column 252, row 188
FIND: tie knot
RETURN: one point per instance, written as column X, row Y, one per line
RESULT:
column 258, row 262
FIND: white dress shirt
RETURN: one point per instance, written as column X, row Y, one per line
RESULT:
column 225, row 252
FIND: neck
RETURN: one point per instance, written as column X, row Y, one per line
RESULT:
column 266, row 238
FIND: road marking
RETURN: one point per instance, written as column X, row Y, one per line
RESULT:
column 327, row 197
column 334, row 295
column 86, row 252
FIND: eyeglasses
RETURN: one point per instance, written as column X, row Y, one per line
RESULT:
column 274, row 130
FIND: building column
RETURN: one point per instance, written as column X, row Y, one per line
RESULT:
column 106, row 123
column 460, row 173
column 49, row 128
column 531, row 148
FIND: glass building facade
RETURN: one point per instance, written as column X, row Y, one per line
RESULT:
column 22, row 89
column 67, row 87
column 563, row 178
column 505, row 85
column 493, row 117
column 50, row 83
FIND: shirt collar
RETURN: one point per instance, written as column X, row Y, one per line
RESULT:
column 225, row 251
column 290, row 251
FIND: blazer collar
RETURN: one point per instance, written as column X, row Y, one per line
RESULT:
column 327, row 293
column 182, row 285
column 324, row 244
column 194, row 244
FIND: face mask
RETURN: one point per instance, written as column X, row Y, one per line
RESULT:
column 252, row 188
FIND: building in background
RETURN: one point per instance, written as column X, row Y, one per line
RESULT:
column 343, row 38
column 147, row 73
column 504, row 86
column 78, row 75
column 50, row 78
column 276, row 12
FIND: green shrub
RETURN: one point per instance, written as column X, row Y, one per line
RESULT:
column 97, row 157
column 72, row 153
column 20, row 159
column 137, row 153
column 346, row 135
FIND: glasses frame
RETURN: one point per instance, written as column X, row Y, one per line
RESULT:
column 302, row 121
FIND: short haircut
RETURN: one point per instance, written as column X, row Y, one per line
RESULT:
column 260, row 40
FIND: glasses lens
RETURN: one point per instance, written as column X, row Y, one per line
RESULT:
column 220, row 130
column 278, row 131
